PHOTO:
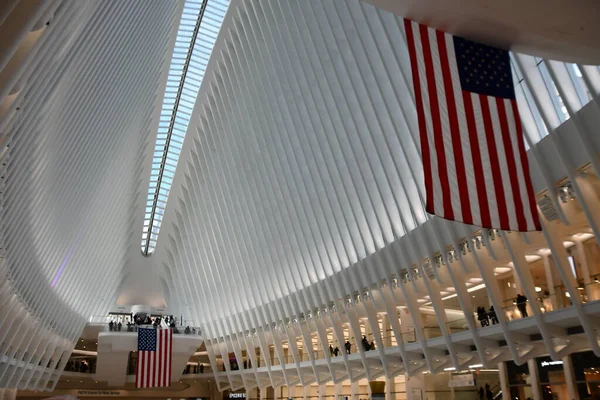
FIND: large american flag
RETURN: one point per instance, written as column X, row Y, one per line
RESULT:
column 154, row 358
column 475, row 164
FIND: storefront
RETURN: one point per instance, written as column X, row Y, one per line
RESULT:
column 550, row 379
column 519, row 381
column 553, row 383
column 586, row 368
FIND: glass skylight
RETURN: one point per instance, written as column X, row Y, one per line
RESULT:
column 198, row 29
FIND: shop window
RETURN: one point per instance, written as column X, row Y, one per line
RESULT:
column 586, row 367
column 552, row 379
column 519, row 381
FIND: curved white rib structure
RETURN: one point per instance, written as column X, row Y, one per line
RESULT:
column 76, row 114
column 295, row 218
column 299, row 194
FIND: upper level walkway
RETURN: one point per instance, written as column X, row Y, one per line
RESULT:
column 566, row 337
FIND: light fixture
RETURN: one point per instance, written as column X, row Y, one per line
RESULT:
column 450, row 369
column 476, row 366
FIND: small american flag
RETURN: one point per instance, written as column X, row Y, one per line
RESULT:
column 154, row 358
column 475, row 164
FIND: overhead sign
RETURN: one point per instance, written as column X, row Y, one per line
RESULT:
column 461, row 380
column 550, row 363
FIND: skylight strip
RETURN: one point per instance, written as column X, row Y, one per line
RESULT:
column 193, row 46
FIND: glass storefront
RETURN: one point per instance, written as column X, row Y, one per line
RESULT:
column 552, row 379
column 519, row 381
column 586, row 367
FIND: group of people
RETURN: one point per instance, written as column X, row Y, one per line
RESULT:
column 366, row 345
column 348, row 347
column 486, row 394
column 144, row 319
column 194, row 369
column 485, row 317
column 233, row 364
column 83, row 366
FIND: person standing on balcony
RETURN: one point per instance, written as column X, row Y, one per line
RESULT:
column 522, row 305
column 482, row 316
column 331, row 350
column 348, row 347
column 493, row 316
column 365, row 344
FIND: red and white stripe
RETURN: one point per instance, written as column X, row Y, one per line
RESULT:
column 154, row 367
column 475, row 165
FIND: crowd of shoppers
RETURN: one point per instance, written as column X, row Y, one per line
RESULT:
column 143, row 319
column 85, row 365
column 485, row 317
column 193, row 369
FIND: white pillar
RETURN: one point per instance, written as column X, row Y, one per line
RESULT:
column 263, row 393
column 321, row 389
column 355, row 390
column 390, row 387
column 407, row 325
column 585, row 270
column 338, row 391
column 534, row 379
column 550, row 281
column 570, row 378
column 504, row 381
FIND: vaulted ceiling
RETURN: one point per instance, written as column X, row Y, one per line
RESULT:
column 298, row 178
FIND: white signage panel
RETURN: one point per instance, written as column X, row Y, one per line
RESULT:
column 462, row 380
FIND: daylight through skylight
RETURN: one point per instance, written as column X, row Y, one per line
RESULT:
column 198, row 29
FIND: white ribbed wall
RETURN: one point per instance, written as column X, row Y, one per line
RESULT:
column 302, row 159
column 77, row 100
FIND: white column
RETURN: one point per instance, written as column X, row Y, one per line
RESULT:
column 550, row 280
column 390, row 386
column 263, row 393
column 407, row 325
column 338, row 391
column 534, row 379
column 585, row 270
column 504, row 381
column 355, row 389
column 321, row 389
column 570, row 378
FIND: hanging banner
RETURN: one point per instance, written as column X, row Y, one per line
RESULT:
column 461, row 380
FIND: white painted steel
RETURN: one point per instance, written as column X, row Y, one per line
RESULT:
column 76, row 110
column 299, row 189
column 296, row 213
